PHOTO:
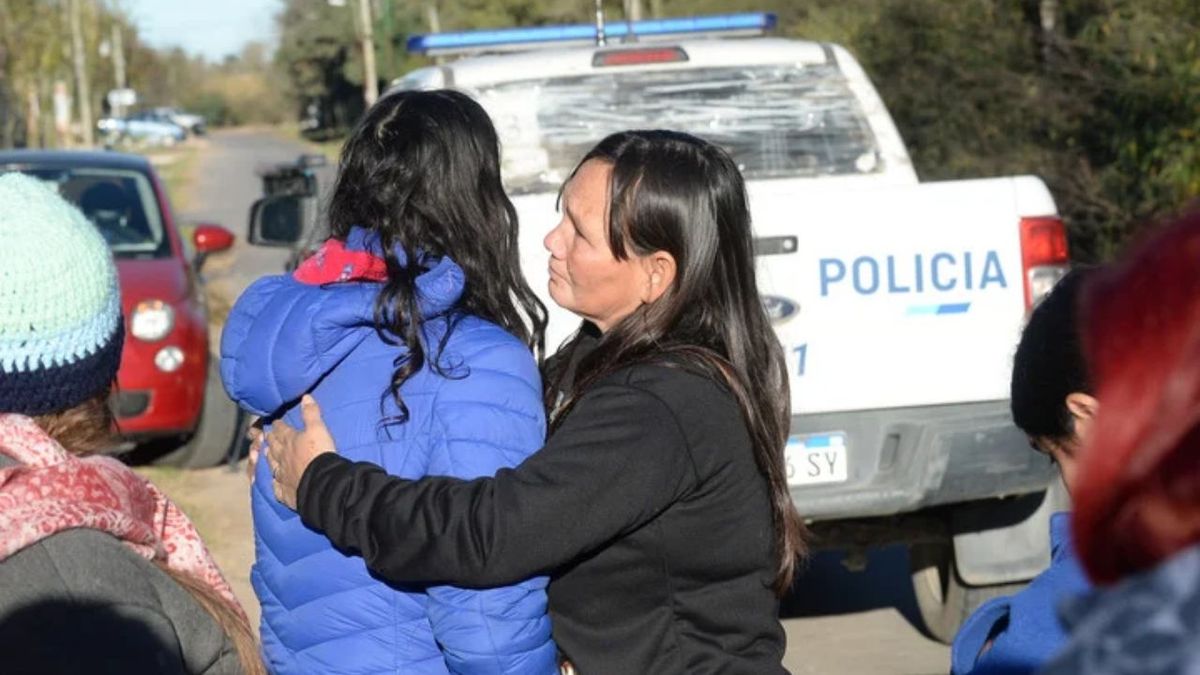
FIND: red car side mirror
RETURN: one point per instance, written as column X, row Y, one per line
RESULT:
column 211, row 238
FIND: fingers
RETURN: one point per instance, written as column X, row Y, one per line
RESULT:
column 310, row 412
column 284, row 494
column 254, row 434
column 252, row 460
column 280, row 494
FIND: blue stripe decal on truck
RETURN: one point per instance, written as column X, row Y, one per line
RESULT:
column 960, row 308
column 933, row 310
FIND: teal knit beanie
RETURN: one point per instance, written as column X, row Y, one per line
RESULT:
column 60, row 305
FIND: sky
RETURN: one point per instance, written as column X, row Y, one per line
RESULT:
column 211, row 28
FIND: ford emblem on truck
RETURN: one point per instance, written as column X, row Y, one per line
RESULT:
column 779, row 309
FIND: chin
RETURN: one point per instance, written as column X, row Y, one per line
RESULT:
column 561, row 295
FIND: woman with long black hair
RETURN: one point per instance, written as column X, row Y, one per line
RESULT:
column 413, row 325
column 659, row 505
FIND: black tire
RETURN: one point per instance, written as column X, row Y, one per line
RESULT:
column 221, row 428
column 943, row 599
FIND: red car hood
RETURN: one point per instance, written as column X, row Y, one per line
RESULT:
column 163, row 279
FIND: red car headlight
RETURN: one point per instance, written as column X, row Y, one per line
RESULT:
column 152, row 320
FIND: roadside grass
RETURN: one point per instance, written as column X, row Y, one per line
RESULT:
column 176, row 167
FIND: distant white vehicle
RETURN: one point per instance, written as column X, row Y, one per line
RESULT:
column 148, row 131
column 194, row 124
column 899, row 303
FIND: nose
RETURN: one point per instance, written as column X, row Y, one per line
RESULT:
column 554, row 242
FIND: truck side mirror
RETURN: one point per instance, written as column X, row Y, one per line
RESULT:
column 311, row 161
column 277, row 221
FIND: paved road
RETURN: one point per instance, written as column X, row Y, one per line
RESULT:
column 858, row 623
column 227, row 183
column 838, row 622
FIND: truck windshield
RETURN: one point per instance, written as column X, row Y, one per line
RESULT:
column 776, row 121
column 119, row 203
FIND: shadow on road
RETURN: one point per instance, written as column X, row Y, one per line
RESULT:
column 826, row 587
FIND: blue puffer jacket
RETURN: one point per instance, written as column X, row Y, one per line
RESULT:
column 322, row 611
column 1024, row 629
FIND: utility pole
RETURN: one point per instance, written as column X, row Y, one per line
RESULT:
column 81, row 79
column 1048, row 19
column 371, row 80
column 633, row 10
column 601, row 38
column 389, row 39
column 431, row 15
column 118, row 48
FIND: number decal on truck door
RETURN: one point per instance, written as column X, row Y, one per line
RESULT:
column 801, row 351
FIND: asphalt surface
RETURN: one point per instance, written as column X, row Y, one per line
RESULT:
column 838, row 622
column 227, row 184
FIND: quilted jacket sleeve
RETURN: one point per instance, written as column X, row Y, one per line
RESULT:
column 490, row 420
column 282, row 336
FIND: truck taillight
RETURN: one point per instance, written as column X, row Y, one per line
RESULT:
column 1044, row 258
column 638, row 57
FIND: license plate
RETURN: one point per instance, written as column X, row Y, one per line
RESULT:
column 813, row 459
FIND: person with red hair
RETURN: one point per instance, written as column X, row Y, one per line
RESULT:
column 1137, row 497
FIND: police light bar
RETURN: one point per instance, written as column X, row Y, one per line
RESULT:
column 521, row 39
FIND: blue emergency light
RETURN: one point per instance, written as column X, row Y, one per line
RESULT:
column 515, row 39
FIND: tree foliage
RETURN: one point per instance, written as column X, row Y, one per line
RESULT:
column 36, row 56
column 1101, row 98
column 1104, row 104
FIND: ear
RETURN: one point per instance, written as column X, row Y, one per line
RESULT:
column 1083, row 407
column 659, row 270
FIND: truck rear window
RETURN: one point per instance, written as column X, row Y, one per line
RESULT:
column 777, row 121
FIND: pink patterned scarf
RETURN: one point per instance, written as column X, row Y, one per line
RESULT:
column 51, row 490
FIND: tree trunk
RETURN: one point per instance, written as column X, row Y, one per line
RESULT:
column 33, row 117
column 370, row 79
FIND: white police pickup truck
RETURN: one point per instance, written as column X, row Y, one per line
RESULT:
column 898, row 303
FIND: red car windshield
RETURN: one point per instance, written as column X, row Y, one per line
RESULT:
column 120, row 203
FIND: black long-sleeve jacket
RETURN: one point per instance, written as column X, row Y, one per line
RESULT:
column 645, row 506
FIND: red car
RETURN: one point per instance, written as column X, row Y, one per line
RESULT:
column 168, row 386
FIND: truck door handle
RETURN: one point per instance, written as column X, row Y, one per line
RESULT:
column 775, row 245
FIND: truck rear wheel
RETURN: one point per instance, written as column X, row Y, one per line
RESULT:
column 943, row 599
